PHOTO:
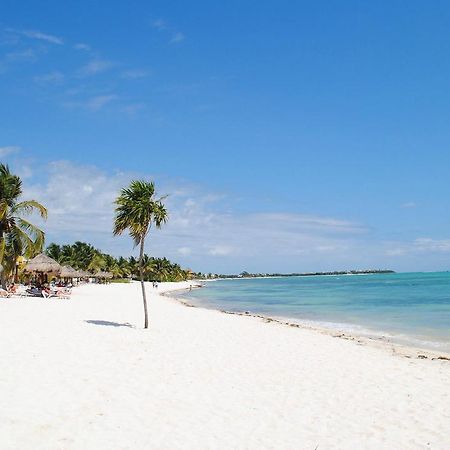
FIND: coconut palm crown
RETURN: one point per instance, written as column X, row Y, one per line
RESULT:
column 18, row 236
column 137, row 210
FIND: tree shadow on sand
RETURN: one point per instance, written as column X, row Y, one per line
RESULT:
column 107, row 323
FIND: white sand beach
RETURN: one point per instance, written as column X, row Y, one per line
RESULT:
column 83, row 374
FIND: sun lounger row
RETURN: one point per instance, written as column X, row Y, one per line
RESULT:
column 36, row 292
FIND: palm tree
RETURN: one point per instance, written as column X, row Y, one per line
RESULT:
column 54, row 251
column 137, row 210
column 18, row 236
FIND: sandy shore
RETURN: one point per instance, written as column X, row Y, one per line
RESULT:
column 83, row 374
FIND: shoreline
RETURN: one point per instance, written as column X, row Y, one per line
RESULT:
column 397, row 348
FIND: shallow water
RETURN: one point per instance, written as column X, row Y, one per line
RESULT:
column 411, row 308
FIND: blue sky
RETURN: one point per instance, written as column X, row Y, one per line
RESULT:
column 289, row 135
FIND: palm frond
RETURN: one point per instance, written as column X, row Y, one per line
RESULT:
column 29, row 206
column 37, row 234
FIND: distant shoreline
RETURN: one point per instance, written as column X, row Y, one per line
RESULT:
column 302, row 274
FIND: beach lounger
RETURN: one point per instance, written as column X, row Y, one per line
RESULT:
column 64, row 293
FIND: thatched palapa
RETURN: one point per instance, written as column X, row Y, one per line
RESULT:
column 104, row 275
column 68, row 272
column 43, row 264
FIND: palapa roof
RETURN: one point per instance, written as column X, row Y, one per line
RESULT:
column 43, row 264
column 101, row 274
column 68, row 272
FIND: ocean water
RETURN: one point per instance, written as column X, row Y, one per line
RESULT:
column 408, row 308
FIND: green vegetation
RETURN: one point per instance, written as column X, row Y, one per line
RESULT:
column 137, row 210
column 82, row 256
column 18, row 236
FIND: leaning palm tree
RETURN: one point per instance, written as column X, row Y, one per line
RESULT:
column 18, row 236
column 137, row 210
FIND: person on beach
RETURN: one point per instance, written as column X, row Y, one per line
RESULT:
column 46, row 292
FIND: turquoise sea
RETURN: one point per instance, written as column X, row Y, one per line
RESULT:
column 409, row 308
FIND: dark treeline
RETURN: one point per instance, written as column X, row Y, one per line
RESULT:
column 303, row 274
column 83, row 256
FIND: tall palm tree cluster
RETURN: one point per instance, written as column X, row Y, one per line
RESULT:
column 18, row 236
column 83, row 256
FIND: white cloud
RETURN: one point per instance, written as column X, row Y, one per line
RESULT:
column 419, row 246
column 220, row 250
column 408, row 205
column 98, row 102
column 22, row 56
column 43, row 37
column 201, row 233
column 433, row 245
column 81, row 46
column 159, row 24
column 174, row 35
column 38, row 35
column 133, row 108
column 395, row 252
column 184, row 251
column 54, row 77
column 177, row 37
column 79, row 198
column 134, row 74
column 205, row 233
column 8, row 150
column 94, row 67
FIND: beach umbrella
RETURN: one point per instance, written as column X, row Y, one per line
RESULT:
column 101, row 274
column 43, row 264
column 68, row 272
column 82, row 274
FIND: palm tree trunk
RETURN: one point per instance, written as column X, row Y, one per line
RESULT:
column 2, row 267
column 3, row 279
column 16, row 273
column 141, row 275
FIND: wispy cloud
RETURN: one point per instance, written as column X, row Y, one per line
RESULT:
column 22, row 56
column 435, row 245
column 134, row 74
column 9, row 150
column 184, row 251
column 94, row 67
column 133, row 109
column 419, row 246
column 100, row 101
column 38, row 35
column 175, row 36
column 220, row 250
column 159, row 24
column 43, row 37
column 54, row 77
column 81, row 46
column 408, row 205
column 94, row 103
